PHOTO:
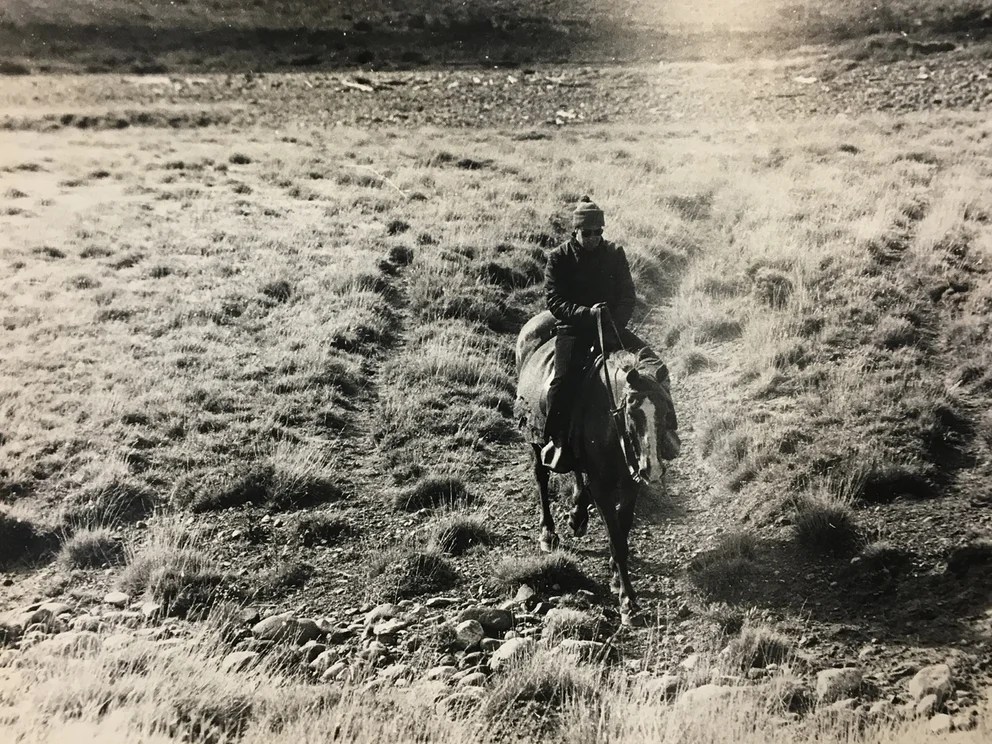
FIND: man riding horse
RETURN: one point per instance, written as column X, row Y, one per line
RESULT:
column 610, row 420
column 584, row 275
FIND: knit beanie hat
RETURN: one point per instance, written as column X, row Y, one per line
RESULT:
column 587, row 214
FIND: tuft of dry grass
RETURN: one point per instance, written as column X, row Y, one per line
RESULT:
column 405, row 571
column 112, row 497
column 727, row 568
column 757, row 646
column 171, row 570
column 563, row 623
column 434, row 493
column 825, row 524
column 553, row 572
column 537, row 696
column 455, row 534
column 92, row 547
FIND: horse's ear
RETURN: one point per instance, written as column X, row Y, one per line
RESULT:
column 633, row 376
column 661, row 375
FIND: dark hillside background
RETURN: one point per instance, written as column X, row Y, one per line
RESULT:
column 263, row 35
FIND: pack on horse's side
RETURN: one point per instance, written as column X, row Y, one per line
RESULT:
column 621, row 431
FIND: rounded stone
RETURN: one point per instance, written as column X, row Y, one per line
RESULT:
column 468, row 633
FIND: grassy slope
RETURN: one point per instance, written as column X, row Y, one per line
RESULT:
column 204, row 302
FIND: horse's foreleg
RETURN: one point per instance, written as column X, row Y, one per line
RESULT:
column 578, row 519
column 549, row 538
column 618, row 550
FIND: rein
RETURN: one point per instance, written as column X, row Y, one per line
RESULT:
column 616, row 411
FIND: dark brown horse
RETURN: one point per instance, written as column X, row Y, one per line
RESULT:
column 622, row 431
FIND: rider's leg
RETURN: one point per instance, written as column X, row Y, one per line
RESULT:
column 558, row 392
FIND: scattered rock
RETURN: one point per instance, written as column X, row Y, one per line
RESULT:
column 387, row 631
column 474, row 679
column 281, row 628
column 382, row 612
column 460, row 703
column 690, row 662
column 324, row 661
column 665, row 687
column 940, row 724
column 395, row 672
column 583, row 650
column 341, row 634
column 117, row 599
column 469, row 633
column 489, row 645
column 926, row 706
column 708, row 695
column 334, row 671
column 239, row 661
column 151, row 610
column 56, row 608
column 493, row 621
column 436, row 603
column 439, row 673
column 836, row 684
column 932, row 680
column 86, row 622
column 75, row 644
column 512, row 653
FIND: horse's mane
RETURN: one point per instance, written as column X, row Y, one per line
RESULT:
column 645, row 364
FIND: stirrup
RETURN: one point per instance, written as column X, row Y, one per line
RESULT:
column 551, row 455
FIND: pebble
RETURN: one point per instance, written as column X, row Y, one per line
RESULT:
column 116, row 599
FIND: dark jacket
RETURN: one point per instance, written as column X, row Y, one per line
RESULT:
column 576, row 279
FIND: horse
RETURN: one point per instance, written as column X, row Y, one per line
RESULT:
column 622, row 430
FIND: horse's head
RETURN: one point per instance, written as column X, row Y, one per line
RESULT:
column 650, row 421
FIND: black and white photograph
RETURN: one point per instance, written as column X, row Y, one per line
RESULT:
column 498, row 371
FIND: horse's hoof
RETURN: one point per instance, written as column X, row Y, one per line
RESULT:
column 631, row 616
column 550, row 542
column 579, row 526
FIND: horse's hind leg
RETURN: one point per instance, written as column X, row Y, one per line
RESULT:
column 549, row 538
column 578, row 519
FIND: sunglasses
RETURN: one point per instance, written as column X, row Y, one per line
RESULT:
column 591, row 233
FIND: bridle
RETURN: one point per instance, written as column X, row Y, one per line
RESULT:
column 618, row 412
